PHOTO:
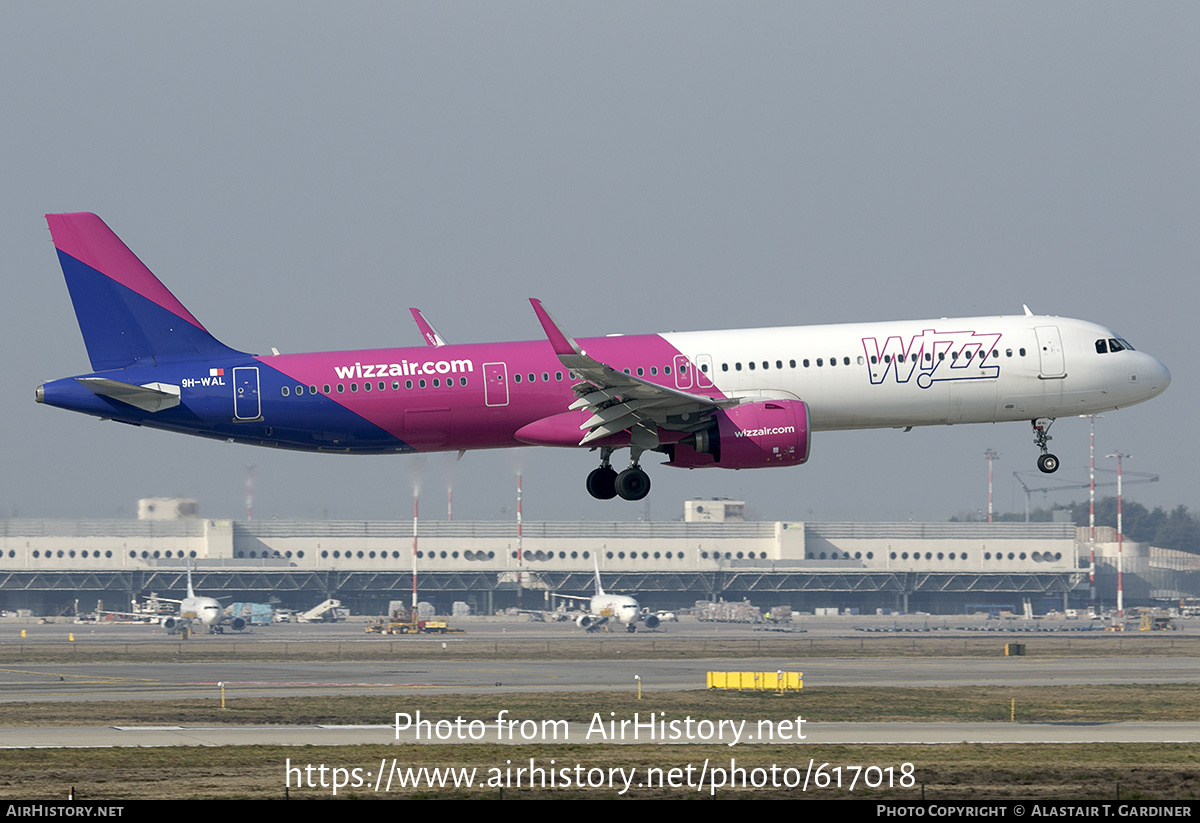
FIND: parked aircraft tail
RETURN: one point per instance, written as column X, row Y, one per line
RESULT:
column 126, row 315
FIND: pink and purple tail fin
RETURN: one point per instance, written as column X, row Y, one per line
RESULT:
column 126, row 315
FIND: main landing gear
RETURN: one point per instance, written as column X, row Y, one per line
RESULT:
column 1047, row 463
column 604, row 483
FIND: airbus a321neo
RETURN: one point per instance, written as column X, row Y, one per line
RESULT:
column 737, row 399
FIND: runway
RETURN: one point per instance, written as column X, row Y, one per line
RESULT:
column 159, row 681
column 577, row 733
column 398, row 683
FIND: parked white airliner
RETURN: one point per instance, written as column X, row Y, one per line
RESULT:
column 603, row 607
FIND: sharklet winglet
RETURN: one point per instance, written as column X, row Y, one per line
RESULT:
column 428, row 332
column 562, row 343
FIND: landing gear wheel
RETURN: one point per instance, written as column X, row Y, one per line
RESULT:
column 633, row 484
column 1047, row 464
column 631, row 628
column 602, row 483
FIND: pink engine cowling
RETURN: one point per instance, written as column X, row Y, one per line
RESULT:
column 749, row 436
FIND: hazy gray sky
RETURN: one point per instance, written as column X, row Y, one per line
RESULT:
column 298, row 174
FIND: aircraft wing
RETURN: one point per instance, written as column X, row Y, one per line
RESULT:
column 147, row 617
column 620, row 401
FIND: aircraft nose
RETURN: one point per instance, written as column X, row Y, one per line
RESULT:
column 1153, row 376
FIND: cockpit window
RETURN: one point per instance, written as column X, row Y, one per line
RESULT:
column 1112, row 344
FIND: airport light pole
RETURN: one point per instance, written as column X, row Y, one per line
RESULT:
column 1092, row 512
column 414, row 556
column 249, row 492
column 1120, row 540
column 520, row 547
column 991, row 455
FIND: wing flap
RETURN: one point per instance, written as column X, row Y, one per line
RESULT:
column 619, row 401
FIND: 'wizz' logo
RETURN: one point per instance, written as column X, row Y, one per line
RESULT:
column 933, row 355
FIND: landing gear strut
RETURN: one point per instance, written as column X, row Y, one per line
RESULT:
column 1047, row 463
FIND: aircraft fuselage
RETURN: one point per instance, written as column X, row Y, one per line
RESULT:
column 746, row 398
column 478, row 396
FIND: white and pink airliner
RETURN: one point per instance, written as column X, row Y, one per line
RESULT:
column 736, row 399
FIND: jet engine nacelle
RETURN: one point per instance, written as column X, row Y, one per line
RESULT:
column 170, row 623
column 583, row 621
column 650, row 621
column 749, row 436
column 237, row 624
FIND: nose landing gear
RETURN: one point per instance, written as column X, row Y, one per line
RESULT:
column 1047, row 463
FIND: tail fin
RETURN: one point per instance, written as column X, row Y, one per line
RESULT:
column 191, row 591
column 596, row 561
column 126, row 315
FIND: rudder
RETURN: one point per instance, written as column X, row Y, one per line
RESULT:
column 126, row 315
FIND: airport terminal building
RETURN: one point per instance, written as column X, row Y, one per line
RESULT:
column 940, row 568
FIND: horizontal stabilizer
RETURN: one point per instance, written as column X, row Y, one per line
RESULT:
column 152, row 397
